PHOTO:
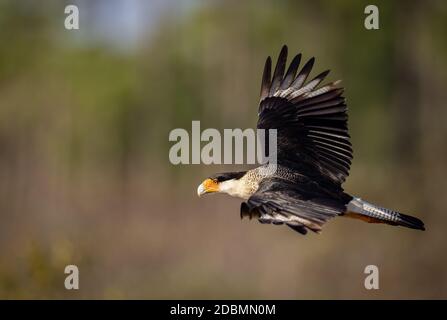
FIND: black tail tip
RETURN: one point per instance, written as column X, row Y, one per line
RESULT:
column 411, row 222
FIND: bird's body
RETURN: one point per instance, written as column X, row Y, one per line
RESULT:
column 303, row 188
column 246, row 186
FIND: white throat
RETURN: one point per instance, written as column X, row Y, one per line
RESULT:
column 235, row 188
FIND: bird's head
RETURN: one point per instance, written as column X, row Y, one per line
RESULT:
column 220, row 182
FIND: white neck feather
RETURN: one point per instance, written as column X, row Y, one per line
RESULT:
column 235, row 188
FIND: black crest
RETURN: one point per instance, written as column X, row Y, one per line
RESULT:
column 219, row 177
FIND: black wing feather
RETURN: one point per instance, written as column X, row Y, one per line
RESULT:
column 311, row 121
column 303, row 74
column 291, row 72
column 299, row 205
column 266, row 78
column 279, row 70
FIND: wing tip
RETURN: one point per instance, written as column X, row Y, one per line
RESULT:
column 284, row 49
column 266, row 78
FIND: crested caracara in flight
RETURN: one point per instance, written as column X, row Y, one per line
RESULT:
column 313, row 156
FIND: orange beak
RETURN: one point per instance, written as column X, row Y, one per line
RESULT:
column 208, row 186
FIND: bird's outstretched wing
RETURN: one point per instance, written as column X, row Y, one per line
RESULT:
column 311, row 120
column 301, row 206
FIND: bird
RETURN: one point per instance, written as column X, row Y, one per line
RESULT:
column 314, row 155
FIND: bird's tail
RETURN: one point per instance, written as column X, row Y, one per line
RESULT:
column 360, row 209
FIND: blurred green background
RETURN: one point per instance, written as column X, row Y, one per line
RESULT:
column 85, row 177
